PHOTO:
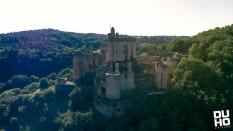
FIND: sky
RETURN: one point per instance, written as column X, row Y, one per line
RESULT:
column 132, row 17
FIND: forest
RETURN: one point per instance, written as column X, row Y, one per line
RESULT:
column 30, row 61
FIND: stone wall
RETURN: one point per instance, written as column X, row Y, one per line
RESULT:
column 121, row 51
column 84, row 63
column 163, row 66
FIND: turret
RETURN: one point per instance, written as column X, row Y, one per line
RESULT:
column 112, row 31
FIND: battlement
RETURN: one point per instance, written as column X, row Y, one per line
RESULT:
column 115, row 37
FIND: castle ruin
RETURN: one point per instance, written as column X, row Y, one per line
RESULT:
column 163, row 65
column 115, row 79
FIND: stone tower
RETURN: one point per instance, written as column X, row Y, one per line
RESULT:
column 120, row 48
column 114, row 82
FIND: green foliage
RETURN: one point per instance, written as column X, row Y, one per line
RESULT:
column 75, row 99
column 157, row 40
column 194, row 74
column 18, row 81
column 179, row 45
column 201, row 84
column 52, row 76
column 48, row 93
column 44, row 83
column 220, row 54
column 65, row 73
column 174, row 110
column 145, row 48
column 74, row 120
column 207, row 73
column 48, row 50
column 162, row 47
column 32, row 86
column 198, row 51
column 33, row 78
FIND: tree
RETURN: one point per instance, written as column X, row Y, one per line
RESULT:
column 33, row 78
column 65, row 73
column 18, row 81
column 162, row 47
column 75, row 99
column 179, row 45
column 32, row 86
column 220, row 54
column 194, row 74
column 198, row 51
column 52, row 76
column 44, row 83
column 74, row 121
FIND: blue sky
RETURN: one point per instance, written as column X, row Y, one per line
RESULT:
column 134, row 17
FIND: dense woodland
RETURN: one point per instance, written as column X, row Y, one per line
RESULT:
column 42, row 52
column 30, row 62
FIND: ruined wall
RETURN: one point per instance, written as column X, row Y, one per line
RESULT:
column 113, row 86
column 162, row 70
column 83, row 63
column 121, row 51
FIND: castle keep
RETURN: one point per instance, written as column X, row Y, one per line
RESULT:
column 120, row 48
column 115, row 79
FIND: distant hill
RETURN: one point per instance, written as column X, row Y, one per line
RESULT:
column 159, row 39
column 41, row 52
column 45, row 38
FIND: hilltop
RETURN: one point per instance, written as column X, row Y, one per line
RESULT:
column 45, row 38
column 41, row 52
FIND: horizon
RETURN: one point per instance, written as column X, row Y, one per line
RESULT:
column 89, row 32
column 139, row 18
